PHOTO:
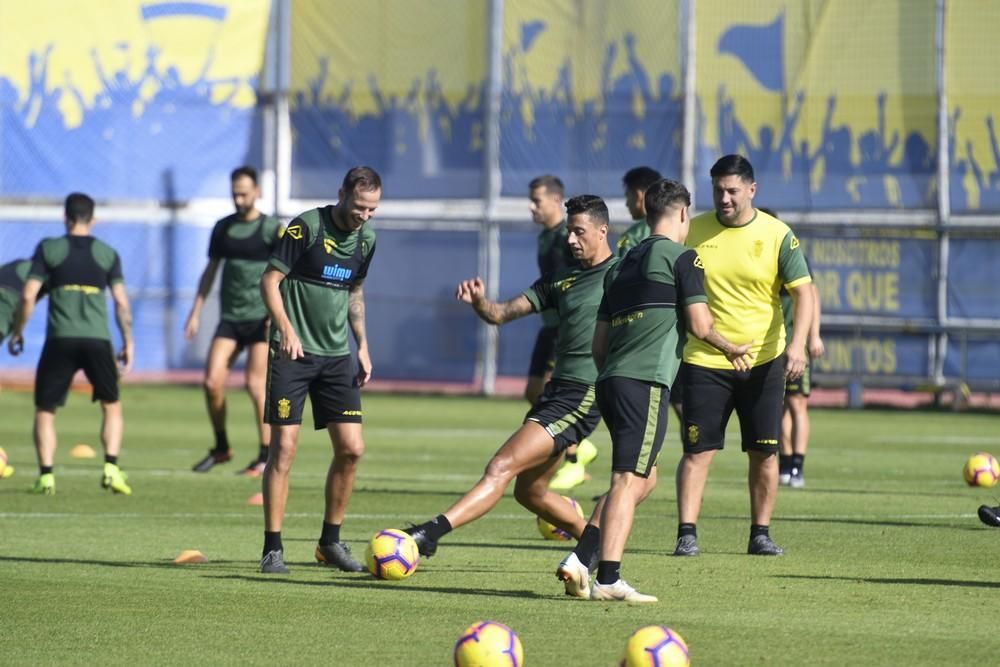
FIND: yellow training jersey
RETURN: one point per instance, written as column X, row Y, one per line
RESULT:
column 745, row 268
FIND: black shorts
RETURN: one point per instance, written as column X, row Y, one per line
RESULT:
column 635, row 413
column 567, row 410
column 801, row 386
column 677, row 389
column 62, row 358
column 543, row 355
column 244, row 333
column 711, row 395
column 329, row 381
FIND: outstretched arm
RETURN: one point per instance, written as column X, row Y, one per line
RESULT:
column 356, row 318
column 473, row 292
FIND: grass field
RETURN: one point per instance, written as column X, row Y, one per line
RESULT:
column 886, row 563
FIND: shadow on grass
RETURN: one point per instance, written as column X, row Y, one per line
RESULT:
column 894, row 523
column 165, row 564
column 906, row 581
column 370, row 583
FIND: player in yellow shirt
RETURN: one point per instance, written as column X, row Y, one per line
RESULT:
column 748, row 256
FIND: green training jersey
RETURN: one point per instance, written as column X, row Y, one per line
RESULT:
column 788, row 305
column 630, row 239
column 245, row 247
column 744, row 269
column 321, row 264
column 77, row 271
column 575, row 293
column 644, row 299
column 554, row 255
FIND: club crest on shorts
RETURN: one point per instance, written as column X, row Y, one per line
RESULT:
column 284, row 408
column 693, row 434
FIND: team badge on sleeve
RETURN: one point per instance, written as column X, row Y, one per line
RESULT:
column 295, row 231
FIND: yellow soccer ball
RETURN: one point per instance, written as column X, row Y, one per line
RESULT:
column 488, row 644
column 655, row 645
column 982, row 469
column 392, row 554
column 551, row 532
column 5, row 470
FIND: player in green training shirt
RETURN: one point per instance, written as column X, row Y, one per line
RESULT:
column 635, row 183
column 12, row 278
column 77, row 270
column 242, row 243
column 554, row 255
column 747, row 256
column 566, row 412
column 313, row 290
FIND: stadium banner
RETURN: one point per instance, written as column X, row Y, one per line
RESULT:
column 876, row 355
column 876, row 275
column 590, row 90
column 834, row 103
column 396, row 85
column 973, row 276
column 975, row 359
column 128, row 99
column 974, row 101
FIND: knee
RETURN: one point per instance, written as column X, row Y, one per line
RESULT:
column 213, row 385
column 499, row 468
column 350, row 453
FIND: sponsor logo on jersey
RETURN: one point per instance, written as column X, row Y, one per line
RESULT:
column 698, row 263
column 795, row 243
column 352, row 413
column 337, row 272
column 86, row 289
column 329, row 245
column 565, row 283
column 295, row 231
column 284, row 408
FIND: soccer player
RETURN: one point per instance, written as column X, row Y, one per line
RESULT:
column 635, row 183
column 242, row 242
column 566, row 411
column 747, row 256
column 77, row 269
column 554, row 255
column 12, row 278
column 795, row 417
column 312, row 288
column 651, row 297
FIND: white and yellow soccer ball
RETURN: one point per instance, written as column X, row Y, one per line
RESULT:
column 488, row 644
column 656, row 645
column 982, row 469
column 551, row 532
column 5, row 470
column 392, row 554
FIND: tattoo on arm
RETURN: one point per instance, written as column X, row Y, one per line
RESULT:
column 124, row 316
column 499, row 313
column 356, row 314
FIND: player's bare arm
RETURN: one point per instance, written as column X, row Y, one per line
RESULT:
column 599, row 346
column 701, row 325
column 123, row 316
column 291, row 346
column 26, row 306
column 356, row 319
column 204, row 287
column 473, row 292
column 805, row 304
column 816, row 347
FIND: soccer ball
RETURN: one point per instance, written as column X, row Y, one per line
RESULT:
column 392, row 554
column 5, row 470
column 982, row 469
column 551, row 532
column 488, row 644
column 655, row 645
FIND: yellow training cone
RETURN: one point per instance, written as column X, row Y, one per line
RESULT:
column 256, row 499
column 81, row 451
column 190, row 557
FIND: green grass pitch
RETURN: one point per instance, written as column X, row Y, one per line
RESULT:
column 886, row 564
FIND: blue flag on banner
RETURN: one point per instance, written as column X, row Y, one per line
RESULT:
column 529, row 32
column 761, row 48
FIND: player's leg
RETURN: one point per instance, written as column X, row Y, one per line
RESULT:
column 285, row 395
column 787, row 435
column 255, row 381
column 221, row 354
column 56, row 367
column 531, row 490
column 636, row 415
column 707, row 406
column 759, row 403
column 97, row 359
column 336, row 405
column 800, row 438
